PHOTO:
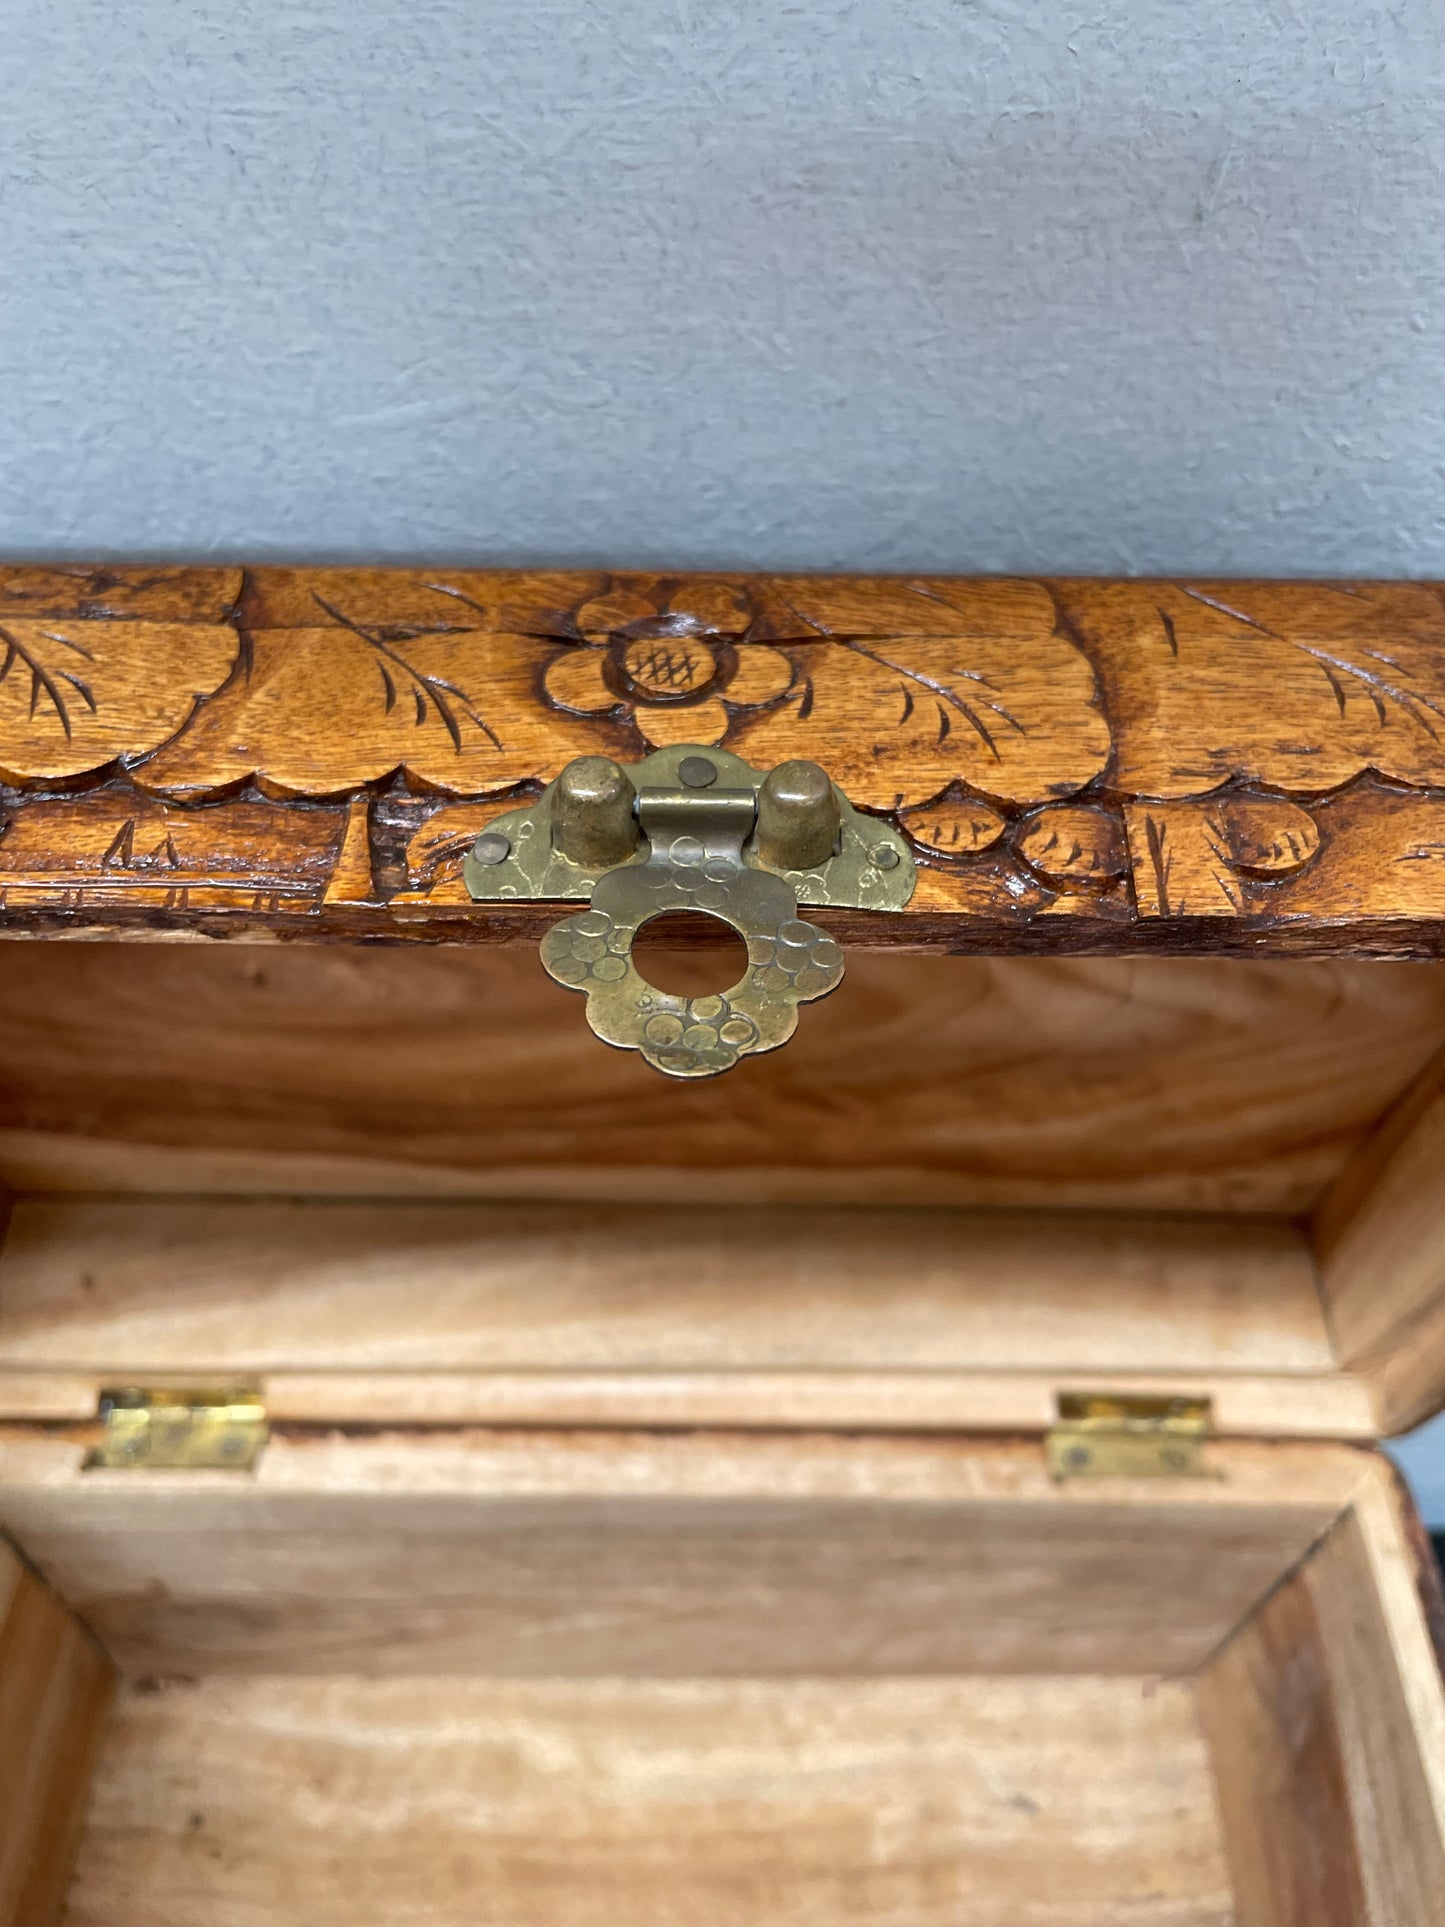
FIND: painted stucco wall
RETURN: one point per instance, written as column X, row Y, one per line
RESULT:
column 1109, row 285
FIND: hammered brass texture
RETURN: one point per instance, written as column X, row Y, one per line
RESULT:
column 697, row 814
column 851, row 879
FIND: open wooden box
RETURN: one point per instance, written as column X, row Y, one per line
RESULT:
column 658, row 1520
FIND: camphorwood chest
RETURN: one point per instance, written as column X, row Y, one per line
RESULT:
column 452, row 1475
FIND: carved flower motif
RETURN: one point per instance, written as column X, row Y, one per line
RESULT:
column 671, row 682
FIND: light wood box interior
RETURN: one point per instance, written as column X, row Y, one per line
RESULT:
column 655, row 1526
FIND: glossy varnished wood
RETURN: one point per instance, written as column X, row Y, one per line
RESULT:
column 1080, row 764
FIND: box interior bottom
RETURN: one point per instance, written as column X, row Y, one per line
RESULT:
column 513, row 1679
column 344, row 1801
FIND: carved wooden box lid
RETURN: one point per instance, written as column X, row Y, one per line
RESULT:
column 1233, row 766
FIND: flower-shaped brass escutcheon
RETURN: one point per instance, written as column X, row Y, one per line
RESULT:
column 790, row 961
column 698, row 830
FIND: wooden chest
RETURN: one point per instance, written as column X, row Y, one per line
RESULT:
column 925, row 1477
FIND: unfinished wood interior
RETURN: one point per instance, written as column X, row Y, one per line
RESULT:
column 1380, row 1239
column 545, row 1313
column 55, row 1689
column 655, row 1524
column 1116, row 1084
column 1327, row 1731
column 1164, row 1173
column 770, row 1803
column 520, row 1551
column 509, row 1678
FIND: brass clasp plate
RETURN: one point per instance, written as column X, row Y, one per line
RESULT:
column 693, row 829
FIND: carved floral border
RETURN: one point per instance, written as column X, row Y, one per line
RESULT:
column 1152, row 750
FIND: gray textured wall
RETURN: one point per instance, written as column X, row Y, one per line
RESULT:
column 1112, row 285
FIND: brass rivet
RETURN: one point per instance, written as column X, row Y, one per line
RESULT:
column 492, row 847
column 885, row 857
column 697, row 772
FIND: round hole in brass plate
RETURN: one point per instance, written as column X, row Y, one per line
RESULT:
column 699, row 847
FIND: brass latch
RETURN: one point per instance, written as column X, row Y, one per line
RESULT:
column 1121, row 1435
column 171, row 1431
column 693, row 829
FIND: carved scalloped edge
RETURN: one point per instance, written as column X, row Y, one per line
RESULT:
column 1286, row 742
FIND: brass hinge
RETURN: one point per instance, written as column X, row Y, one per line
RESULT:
column 180, row 1431
column 1122, row 1435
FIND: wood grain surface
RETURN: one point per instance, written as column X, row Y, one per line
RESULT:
column 664, row 1314
column 1150, row 1083
column 1081, row 764
column 55, row 1691
column 1380, row 1237
column 1267, row 1707
column 1388, row 1702
column 1326, row 1722
column 529, row 1553
column 362, row 1803
column 186, row 1285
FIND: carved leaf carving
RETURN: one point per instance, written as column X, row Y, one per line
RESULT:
column 320, row 711
column 1265, row 835
column 895, row 721
column 886, row 606
column 1192, row 859
column 1385, row 859
column 954, row 828
column 75, row 696
column 434, row 854
column 1301, row 688
column 1074, row 846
